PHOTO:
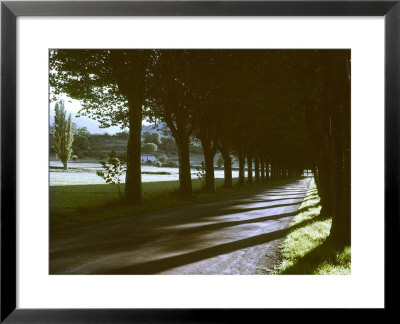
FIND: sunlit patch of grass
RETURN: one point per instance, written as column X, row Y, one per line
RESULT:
column 306, row 249
column 339, row 266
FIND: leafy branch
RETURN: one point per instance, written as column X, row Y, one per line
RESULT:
column 112, row 171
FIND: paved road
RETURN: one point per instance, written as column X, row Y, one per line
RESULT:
column 235, row 234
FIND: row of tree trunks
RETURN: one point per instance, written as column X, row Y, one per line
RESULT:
column 329, row 126
column 225, row 152
column 261, row 168
column 279, row 173
column 332, row 178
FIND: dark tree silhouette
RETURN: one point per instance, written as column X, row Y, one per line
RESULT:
column 111, row 86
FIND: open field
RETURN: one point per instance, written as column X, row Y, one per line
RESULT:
column 80, row 173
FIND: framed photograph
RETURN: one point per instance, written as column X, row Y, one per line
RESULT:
column 193, row 161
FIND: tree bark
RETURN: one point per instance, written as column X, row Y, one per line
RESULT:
column 242, row 162
column 267, row 175
column 341, row 222
column 262, row 169
column 225, row 152
column 209, row 165
column 249, row 169
column 185, row 180
column 133, row 180
column 274, row 175
column 327, row 183
column 257, row 168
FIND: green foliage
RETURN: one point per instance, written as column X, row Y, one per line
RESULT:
column 112, row 171
column 195, row 148
column 233, row 160
column 168, row 145
column 149, row 137
column 158, row 164
column 124, row 135
column 74, row 157
column 83, row 131
column 81, row 143
column 100, row 79
column 220, row 161
column 121, row 156
column 149, row 148
column 62, row 136
column 171, row 164
column 201, row 173
column 162, row 158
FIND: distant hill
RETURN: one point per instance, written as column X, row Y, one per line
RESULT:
column 90, row 124
column 152, row 128
column 93, row 125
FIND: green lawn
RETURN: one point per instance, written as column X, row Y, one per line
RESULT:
column 306, row 249
column 79, row 205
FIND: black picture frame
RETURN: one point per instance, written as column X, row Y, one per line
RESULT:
column 10, row 10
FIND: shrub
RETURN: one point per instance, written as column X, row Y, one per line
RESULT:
column 74, row 157
column 201, row 173
column 171, row 164
column 149, row 148
column 121, row 156
column 112, row 170
column 220, row 161
column 162, row 158
column 158, row 164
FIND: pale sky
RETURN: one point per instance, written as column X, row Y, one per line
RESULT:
column 73, row 106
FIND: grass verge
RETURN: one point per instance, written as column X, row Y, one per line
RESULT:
column 306, row 249
column 81, row 205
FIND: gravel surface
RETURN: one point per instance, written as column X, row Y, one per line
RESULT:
column 234, row 234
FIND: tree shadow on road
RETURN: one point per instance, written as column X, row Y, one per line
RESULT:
column 163, row 264
column 191, row 228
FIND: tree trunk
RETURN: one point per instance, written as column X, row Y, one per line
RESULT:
column 262, row 167
column 65, row 164
column 209, row 165
column 340, row 229
column 341, row 222
column 133, row 180
column 267, row 175
column 327, row 184
column 225, row 152
column 242, row 162
column 249, row 169
column 257, row 169
column 185, row 180
column 273, row 170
